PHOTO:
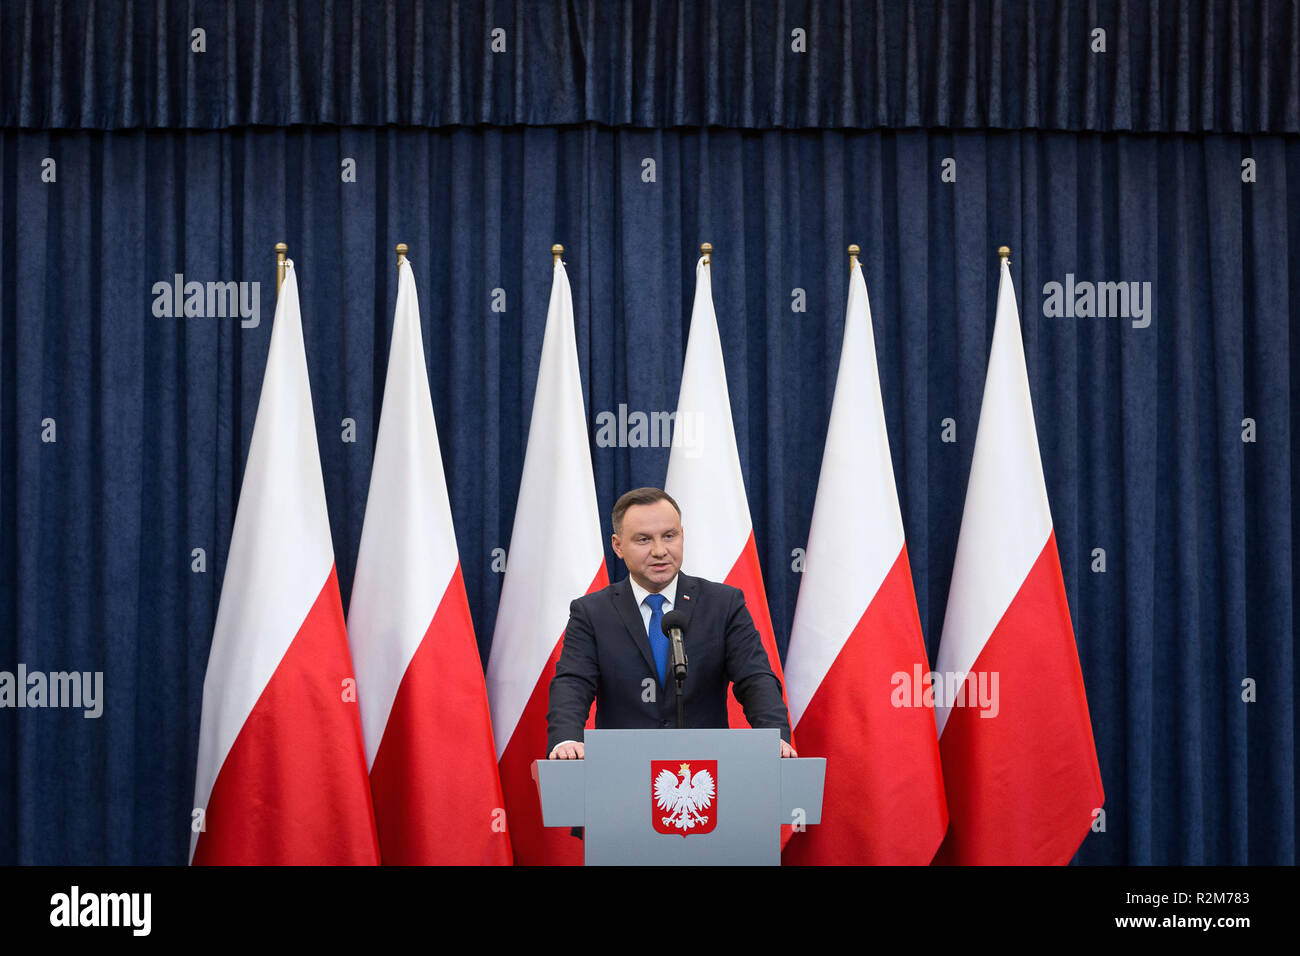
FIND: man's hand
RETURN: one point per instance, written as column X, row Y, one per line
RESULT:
column 573, row 750
column 786, row 750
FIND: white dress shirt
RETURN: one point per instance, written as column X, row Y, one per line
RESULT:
column 670, row 598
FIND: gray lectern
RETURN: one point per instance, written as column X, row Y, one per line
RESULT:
column 681, row 797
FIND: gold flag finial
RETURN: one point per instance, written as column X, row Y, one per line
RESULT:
column 557, row 251
column 1004, row 252
column 706, row 250
column 402, row 249
column 281, row 250
column 853, row 254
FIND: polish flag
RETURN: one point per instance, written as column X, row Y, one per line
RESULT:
column 1019, row 763
column 281, row 775
column 705, row 480
column 556, row 554
column 856, row 647
column 433, row 767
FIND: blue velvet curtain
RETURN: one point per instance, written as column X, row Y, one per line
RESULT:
column 1166, row 436
column 1161, row 66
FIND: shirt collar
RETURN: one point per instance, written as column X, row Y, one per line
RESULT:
column 669, row 591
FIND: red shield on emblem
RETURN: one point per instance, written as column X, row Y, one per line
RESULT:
column 684, row 796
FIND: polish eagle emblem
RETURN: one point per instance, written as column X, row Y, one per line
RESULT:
column 684, row 801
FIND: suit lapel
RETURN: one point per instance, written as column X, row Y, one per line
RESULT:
column 686, row 591
column 625, row 603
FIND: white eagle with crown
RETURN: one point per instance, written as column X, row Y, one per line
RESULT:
column 684, row 801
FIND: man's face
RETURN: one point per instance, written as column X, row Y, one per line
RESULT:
column 650, row 544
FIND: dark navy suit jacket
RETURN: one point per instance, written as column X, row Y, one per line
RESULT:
column 607, row 656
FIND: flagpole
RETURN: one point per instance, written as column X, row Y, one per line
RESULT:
column 557, row 251
column 853, row 255
column 706, row 250
column 281, row 250
column 401, row 253
column 1004, row 252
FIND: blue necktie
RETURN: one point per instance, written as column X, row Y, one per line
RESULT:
column 658, row 640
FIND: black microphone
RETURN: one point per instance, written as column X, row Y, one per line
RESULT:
column 674, row 626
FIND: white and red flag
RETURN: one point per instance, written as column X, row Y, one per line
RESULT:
column 556, row 554
column 856, row 643
column 424, row 710
column 705, row 480
column 1019, row 764
column 281, row 774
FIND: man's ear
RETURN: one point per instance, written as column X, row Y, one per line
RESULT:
column 617, row 544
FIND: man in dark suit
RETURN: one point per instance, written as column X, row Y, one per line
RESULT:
column 615, row 651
